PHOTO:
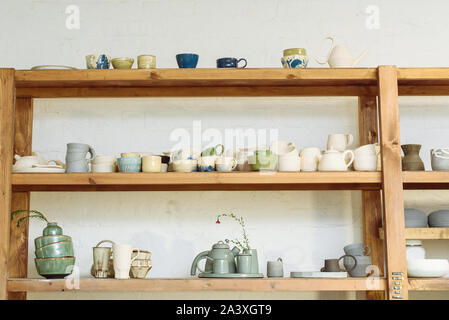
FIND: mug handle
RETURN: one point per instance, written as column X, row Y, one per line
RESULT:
column 92, row 153
column 105, row 241
column 222, row 149
column 242, row 59
column 348, row 255
column 349, row 139
column 368, row 250
column 330, row 50
column 138, row 252
column 352, row 157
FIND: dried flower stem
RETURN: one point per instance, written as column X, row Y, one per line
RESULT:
column 33, row 214
column 240, row 221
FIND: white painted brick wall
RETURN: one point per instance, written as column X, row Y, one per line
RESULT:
column 303, row 227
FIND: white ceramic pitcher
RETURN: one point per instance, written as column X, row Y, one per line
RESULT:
column 339, row 56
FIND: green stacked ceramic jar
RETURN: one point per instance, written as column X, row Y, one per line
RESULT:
column 54, row 253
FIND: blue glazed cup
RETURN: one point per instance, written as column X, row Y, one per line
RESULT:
column 130, row 164
column 230, row 63
column 98, row 61
column 187, row 60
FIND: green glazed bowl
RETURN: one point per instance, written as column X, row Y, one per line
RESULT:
column 263, row 160
column 122, row 63
column 55, row 268
column 55, row 250
column 45, row 240
column 294, row 51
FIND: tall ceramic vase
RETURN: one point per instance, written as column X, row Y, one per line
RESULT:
column 411, row 160
column 254, row 260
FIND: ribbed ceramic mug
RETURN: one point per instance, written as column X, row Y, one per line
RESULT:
column 76, row 157
column 146, row 61
column 122, row 260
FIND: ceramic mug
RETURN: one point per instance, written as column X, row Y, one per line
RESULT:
column 146, row 61
column 151, row 164
column 206, row 164
column 333, row 265
column 339, row 141
column 130, row 164
column 357, row 249
column 241, row 156
column 309, row 159
column 220, row 266
column 122, row 260
column 275, row 268
column 187, row 60
column 295, row 61
column 244, row 263
column 76, row 157
column 365, row 162
column 102, row 258
column 358, row 268
column 230, row 63
column 225, row 164
column 290, row 163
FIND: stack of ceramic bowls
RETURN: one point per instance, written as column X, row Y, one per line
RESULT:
column 415, row 218
column 54, row 253
column 141, row 264
column 439, row 219
column 104, row 164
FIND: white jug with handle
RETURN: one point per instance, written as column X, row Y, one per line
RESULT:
column 339, row 56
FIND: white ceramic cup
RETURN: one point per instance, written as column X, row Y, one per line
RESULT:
column 225, row 164
column 151, row 164
column 367, row 150
column 122, row 260
column 290, row 162
column 103, row 167
column 309, row 159
column 207, row 163
column 365, row 162
column 339, row 141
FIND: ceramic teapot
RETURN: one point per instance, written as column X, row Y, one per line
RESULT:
column 339, row 56
column 221, row 251
column 333, row 160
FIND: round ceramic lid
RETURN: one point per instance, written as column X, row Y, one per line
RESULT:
column 220, row 245
column 413, row 242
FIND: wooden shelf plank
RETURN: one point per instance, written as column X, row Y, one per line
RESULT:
column 425, row 179
column 423, row 233
column 428, row 284
column 195, row 284
column 196, row 181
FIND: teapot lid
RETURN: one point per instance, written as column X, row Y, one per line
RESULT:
column 220, row 245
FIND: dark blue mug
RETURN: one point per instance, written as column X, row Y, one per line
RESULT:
column 230, row 63
column 187, row 60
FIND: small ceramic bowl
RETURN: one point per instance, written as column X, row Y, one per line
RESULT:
column 130, row 164
column 427, row 268
column 45, row 240
column 415, row 218
column 55, row 250
column 439, row 219
column 55, row 268
column 185, row 165
column 122, row 63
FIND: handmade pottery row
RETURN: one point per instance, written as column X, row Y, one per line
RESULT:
column 103, row 61
column 415, row 218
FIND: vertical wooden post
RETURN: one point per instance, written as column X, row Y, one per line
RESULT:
column 371, row 203
column 393, row 202
column 7, row 97
column 18, row 248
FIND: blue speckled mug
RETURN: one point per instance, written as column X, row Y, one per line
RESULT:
column 98, row 61
column 130, row 164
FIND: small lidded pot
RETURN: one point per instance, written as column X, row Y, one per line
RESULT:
column 52, row 229
column 415, row 250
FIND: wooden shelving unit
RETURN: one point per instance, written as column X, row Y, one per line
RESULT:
column 377, row 90
column 423, row 233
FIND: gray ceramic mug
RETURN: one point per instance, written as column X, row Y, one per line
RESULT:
column 359, row 270
column 76, row 157
column 244, row 263
column 275, row 268
column 357, row 249
column 221, row 266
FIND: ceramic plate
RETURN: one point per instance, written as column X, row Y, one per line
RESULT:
column 230, row 275
column 52, row 67
column 37, row 170
column 317, row 274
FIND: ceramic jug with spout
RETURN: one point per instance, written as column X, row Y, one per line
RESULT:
column 220, row 251
column 333, row 160
column 339, row 56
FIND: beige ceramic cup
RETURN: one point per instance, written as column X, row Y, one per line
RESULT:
column 146, row 61
column 151, row 164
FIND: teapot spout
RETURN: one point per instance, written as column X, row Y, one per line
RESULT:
column 356, row 61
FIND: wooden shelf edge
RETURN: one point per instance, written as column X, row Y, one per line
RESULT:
column 196, row 284
column 422, row 233
column 196, row 181
column 428, row 284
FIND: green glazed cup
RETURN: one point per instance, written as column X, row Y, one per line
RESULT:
column 45, row 240
column 52, row 229
column 55, row 250
column 244, row 263
column 293, row 51
column 213, row 151
column 263, row 160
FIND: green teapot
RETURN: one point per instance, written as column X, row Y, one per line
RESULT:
column 220, row 250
